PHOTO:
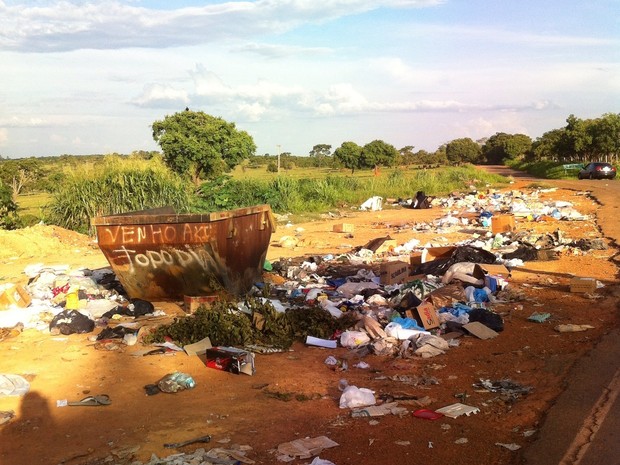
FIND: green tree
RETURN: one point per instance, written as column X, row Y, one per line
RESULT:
column 349, row 155
column 463, row 150
column 549, row 146
column 320, row 152
column 502, row 146
column 199, row 145
column 605, row 133
column 378, row 153
column 8, row 208
column 407, row 157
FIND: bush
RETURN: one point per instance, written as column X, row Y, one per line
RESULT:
column 272, row 167
column 117, row 186
column 8, row 209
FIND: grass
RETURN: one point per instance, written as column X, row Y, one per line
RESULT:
column 301, row 192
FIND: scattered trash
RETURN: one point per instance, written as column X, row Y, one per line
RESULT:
column 511, row 446
column 13, row 385
column 539, row 317
column 92, row 401
column 507, row 387
column 458, row 409
column 427, row 414
column 176, row 445
column 6, row 416
column 304, row 448
column 353, row 397
column 570, row 328
column 175, row 382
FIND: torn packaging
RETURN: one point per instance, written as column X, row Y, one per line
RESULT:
column 230, row 359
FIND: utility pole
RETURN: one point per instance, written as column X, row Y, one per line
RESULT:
column 278, row 158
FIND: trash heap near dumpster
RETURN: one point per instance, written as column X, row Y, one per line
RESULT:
column 386, row 298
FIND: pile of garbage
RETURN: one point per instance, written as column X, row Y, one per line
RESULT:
column 387, row 297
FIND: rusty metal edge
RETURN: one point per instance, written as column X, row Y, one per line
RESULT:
column 167, row 215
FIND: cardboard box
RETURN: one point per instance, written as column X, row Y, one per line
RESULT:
column 14, row 296
column 583, row 285
column 395, row 272
column 230, row 359
column 343, row 228
column 193, row 302
column 427, row 315
column 381, row 245
column 502, row 223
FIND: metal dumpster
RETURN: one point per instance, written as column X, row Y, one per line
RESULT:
column 161, row 255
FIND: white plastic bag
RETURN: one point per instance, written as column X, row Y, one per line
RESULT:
column 353, row 339
column 353, row 397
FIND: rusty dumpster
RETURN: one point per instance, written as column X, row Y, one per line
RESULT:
column 158, row 254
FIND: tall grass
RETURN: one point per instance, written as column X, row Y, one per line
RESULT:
column 118, row 185
column 311, row 195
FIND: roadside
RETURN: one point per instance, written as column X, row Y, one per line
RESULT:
column 581, row 427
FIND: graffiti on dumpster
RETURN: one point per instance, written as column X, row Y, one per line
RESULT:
column 156, row 258
column 156, row 233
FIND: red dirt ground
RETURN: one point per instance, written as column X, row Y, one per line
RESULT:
column 238, row 410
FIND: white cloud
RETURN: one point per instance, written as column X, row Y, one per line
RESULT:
column 4, row 136
column 280, row 51
column 161, row 96
column 64, row 25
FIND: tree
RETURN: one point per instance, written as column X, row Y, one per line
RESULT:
column 8, row 208
column 605, row 133
column 320, row 151
column 378, row 153
column 463, row 150
column 349, row 155
column 196, row 144
column 407, row 157
column 501, row 146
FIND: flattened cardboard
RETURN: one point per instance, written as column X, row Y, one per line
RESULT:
column 395, row 272
column 502, row 223
column 480, row 331
column 496, row 270
column 583, row 285
column 381, row 245
column 445, row 296
column 14, row 296
column 198, row 348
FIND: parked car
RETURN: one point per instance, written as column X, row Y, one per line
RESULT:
column 597, row 170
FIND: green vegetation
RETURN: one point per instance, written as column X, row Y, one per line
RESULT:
column 118, row 185
column 199, row 145
column 221, row 162
column 306, row 195
column 8, row 208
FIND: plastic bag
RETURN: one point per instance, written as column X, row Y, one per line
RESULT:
column 177, row 381
column 353, row 397
column 353, row 339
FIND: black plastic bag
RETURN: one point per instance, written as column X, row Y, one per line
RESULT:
column 466, row 253
column 70, row 322
column 487, row 318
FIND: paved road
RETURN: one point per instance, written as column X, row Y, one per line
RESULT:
column 583, row 426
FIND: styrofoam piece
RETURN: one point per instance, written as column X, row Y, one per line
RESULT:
column 458, row 409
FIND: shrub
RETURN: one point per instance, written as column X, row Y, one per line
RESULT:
column 117, row 186
column 8, row 208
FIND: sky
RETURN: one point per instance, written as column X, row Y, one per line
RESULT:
column 91, row 77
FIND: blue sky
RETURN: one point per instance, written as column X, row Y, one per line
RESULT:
column 83, row 77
